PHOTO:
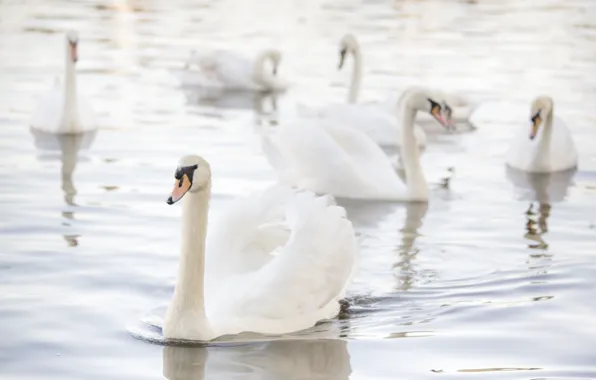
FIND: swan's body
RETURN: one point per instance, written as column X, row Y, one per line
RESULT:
column 345, row 162
column 372, row 119
column 548, row 146
column 63, row 109
column 226, row 70
column 275, row 263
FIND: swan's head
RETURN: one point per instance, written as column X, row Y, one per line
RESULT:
column 433, row 103
column 192, row 175
column 541, row 107
column 72, row 39
column 348, row 44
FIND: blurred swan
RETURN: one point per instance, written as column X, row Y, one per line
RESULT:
column 63, row 110
column 226, row 70
column 344, row 162
column 278, row 262
column 373, row 119
column 283, row 359
column 543, row 150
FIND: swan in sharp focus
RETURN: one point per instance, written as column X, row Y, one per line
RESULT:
column 373, row 119
column 547, row 147
column 344, row 162
column 226, row 70
column 275, row 263
column 63, row 109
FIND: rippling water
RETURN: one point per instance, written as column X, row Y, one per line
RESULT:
column 494, row 278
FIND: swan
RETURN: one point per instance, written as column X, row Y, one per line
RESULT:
column 373, row 119
column 345, row 162
column 381, row 127
column 226, row 70
column 275, row 263
column 548, row 147
column 63, row 110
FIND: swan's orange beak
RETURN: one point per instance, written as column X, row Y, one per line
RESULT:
column 536, row 120
column 74, row 54
column 181, row 186
column 445, row 121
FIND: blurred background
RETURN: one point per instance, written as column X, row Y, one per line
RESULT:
column 485, row 281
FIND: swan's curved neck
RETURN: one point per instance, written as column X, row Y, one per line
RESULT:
column 186, row 317
column 356, row 75
column 70, row 116
column 415, row 180
column 542, row 157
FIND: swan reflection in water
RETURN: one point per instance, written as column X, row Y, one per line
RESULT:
column 66, row 148
column 282, row 359
column 407, row 251
column 542, row 190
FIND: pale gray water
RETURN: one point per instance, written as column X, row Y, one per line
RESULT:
column 460, row 289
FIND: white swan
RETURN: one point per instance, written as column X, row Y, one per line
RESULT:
column 461, row 108
column 63, row 109
column 346, row 163
column 276, row 263
column 226, row 70
column 372, row 119
column 548, row 146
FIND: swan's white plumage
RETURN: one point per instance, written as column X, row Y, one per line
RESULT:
column 345, row 162
column 48, row 115
column 380, row 125
column 313, row 248
column 552, row 149
column 324, row 158
column 377, row 122
column 227, row 70
column 275, row 262
column 63, row 109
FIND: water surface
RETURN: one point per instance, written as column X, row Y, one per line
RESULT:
column 493, row 278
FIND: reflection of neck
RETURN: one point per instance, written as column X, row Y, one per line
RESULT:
column 182, row 363
column 70, row 117
column 542, row 157
column 415, row 180
column 186, row 317
column 69, row 163
column 356, row 75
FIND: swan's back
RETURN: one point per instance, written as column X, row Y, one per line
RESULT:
column 304, row 275
column 219, row 69
column 343, row 162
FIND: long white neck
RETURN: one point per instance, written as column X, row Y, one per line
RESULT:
column 356, row 75
column 70, row 118
column 415, row 180
column 542, row 157
column 186, row 317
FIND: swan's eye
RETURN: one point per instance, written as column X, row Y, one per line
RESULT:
column 536, row 118
column 178, row 174
column 435, row 108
